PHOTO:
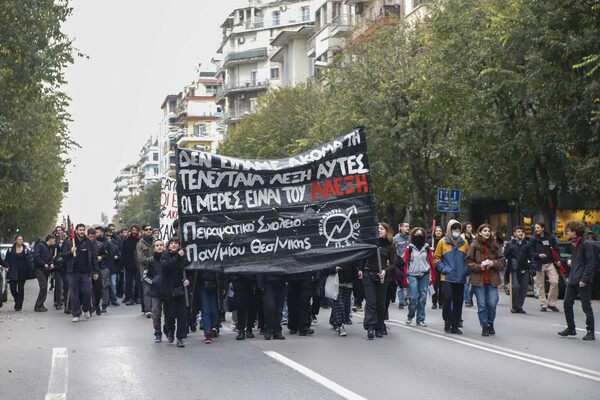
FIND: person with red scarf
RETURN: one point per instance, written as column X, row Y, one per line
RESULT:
column 485, row 260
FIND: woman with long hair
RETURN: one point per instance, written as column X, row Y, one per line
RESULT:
column 20, row 263
column 485, row 260
column 421, row 273
column 375, row 284
column 436, row 299
column 172, row 291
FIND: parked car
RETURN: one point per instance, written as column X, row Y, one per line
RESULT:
column 3, row 284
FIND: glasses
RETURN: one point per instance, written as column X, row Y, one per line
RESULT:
column 147, row 229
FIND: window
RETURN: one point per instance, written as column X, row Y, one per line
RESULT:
column 275, row 17
column 155, row 170
column 275, row 73
column 154, row 156
column 199, row 130
column 253, row 75
column 305, row 13
column 416, row 3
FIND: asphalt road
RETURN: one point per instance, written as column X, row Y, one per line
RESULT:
column 46, row 356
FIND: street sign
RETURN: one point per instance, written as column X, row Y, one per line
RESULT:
column 448, row 200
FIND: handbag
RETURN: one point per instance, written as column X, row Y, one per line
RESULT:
column 332, row 286
column 177, row 291
column 209, row 287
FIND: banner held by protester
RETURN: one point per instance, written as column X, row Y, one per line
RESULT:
column 303, row 213
column 168, row 208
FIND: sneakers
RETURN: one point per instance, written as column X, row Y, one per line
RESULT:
column 157, row 338
column 278, row 336
column 468, row 304
column 171, row 336
column 568, row 332
column 456, row 331
column 284, row 322
column 314, row 319
column 554, row 308
column 342, row 331
column 447, row 328
column 267, row 335
column 115, row 304
column 401, row 306
column 241, row 335
column 87, row 314
column 358, row 308
column 41, row 309
column 408, row 321
column 180, row 343
column 148, row 314
column 130, row 303
column 249, row 334
column 422, row 324
column 354, row 308
column 207, row 339
column 75, row 319
column 215, row 332
column 98, row 311
column 371, row 334
column 306, row 332
column 543, row 309
column 589, row 336
column 349, row 322
column 104, row 309
column 378, row 334
column 434, row 307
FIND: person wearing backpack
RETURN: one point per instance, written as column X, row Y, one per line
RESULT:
column 582, row 263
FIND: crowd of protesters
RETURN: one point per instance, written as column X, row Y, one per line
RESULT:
column 94, row 268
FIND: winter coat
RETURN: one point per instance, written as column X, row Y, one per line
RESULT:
column 475, row 257
column 108, row 255
column 582, row 262
column 401, row 241
column 171, row 274
column 419, row 262
column 42, row 255
column 388, row 259
column 128, row 250
column 543, row 245
column 86, row 260
column 517, row 255
column 11, row 261
column 153, row 274
column 144, row 251
column 449, row 257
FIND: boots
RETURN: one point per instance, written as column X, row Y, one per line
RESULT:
column 485, row 330
column 491, row 328
column 241, row 335
column 249, row 333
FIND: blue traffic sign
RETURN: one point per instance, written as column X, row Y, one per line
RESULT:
column 448, row 200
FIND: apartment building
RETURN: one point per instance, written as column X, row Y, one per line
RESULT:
column 244, row 56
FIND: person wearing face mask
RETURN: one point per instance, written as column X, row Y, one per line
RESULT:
column 421, row 273
column 449, row 260
column 375, row 284
column 485, row 260
column 152, row 275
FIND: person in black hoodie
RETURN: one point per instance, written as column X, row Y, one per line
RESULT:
column 582, row 262
column 341, row 306
column 172, row 291
column 517, row 254
column 80, row 256
column 153, row 277
column 19, row 261
column 273, row 287
column 244, row 287
column 375, row 284
column 298, row 302
column 43, row 261
column 129, row 262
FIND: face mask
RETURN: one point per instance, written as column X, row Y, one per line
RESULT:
column 419, row 240
column 455, row 235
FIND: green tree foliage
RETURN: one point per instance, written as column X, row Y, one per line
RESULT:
column 33, row 117
column 523, row 115
column 143, row 208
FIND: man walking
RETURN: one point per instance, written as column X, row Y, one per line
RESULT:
column 543, row 258
column 517, row 254
column 129, row 262
column 401, row 243
column 144, row 251
column 43, row 262
column 80, row 256
column 582, row 262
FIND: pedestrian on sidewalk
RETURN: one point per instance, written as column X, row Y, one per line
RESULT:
column 485, row 260
column 582, row 262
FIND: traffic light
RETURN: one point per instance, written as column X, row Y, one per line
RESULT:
column 120, row 219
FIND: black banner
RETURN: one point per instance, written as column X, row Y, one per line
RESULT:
column 303, row 213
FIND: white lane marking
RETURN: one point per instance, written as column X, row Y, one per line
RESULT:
column 506, row 352
column 578, row 329
column 342, row 391
column 59, row 373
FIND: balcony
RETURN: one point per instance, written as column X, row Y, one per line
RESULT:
column 183, row 140
column 241, row 57
column 236, row 114
column 311, row 46
column 242, row 86
column 341, row 25
column 384, row 16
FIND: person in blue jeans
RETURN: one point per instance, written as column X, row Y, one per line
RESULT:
column 485, row 260
column 420, row 272
column 209, row 289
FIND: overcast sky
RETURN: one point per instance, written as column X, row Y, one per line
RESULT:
column 139, row 52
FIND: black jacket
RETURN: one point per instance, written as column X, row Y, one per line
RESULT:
column 86, row 259
column 172, row 273
column 582, row 263
column 42, row 255
column 517, row 255
column 128, row 250
column 542, row 245
column 153, row 274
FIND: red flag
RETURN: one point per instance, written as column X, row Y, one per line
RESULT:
column 70, row 228
column 432, row 227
